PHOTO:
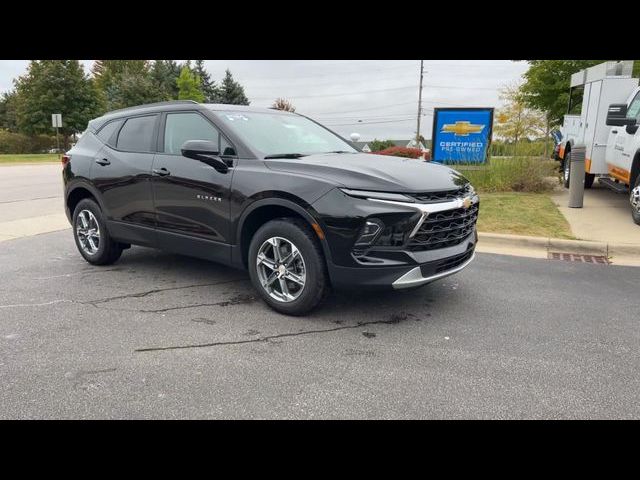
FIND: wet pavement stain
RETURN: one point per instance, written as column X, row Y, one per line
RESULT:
column 369, row 334
column 240, row 299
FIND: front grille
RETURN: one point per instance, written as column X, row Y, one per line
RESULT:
column 443, row 196
column 445, row 229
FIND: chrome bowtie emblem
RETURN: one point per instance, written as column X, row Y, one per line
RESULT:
column 466, row 202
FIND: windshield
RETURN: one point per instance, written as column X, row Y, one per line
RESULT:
column 278, row 134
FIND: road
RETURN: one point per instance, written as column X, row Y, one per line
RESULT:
column 31, row 200
column 164, row 336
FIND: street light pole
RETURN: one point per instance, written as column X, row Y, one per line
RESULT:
column 419, row 103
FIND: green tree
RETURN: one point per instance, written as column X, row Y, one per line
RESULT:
column 55, row 86
column 189, row 85
column 8, row 112
column 546, row 86
column 164, row 74
column 129, row 89
column 378, row 145
column 231, row 92
column 208, row 86
column 516, row 122
column 106, row 72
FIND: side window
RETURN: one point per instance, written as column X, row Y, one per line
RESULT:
column 181, row 127
column 137, row 134
column 109, row 131
column 634, row 108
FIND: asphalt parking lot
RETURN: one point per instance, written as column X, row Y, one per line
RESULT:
column 165, row 336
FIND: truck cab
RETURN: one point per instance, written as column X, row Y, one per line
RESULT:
column 603, row 116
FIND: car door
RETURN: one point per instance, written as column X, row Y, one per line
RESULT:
column 628, row 139
column 191, row 197
column 122, row 174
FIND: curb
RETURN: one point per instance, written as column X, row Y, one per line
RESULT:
column 539, row 246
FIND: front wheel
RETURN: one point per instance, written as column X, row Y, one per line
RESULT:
column 287, row 267
column 634, row 200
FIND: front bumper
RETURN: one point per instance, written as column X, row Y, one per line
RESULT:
column 429, row 267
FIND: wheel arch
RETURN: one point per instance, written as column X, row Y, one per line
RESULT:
column 80, row 191
column 266, row 209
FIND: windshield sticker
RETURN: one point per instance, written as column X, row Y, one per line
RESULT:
column 237, row 116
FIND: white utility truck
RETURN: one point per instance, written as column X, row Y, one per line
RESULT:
column 603, row 116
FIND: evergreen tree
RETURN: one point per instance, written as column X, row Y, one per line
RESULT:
column 106, row 72
column 231, row 92
column 55, row 86
column 164, row 74
column 208, row 86
column 189, row 86
column 131, row 89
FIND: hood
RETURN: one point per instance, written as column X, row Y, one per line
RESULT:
column 365, row 171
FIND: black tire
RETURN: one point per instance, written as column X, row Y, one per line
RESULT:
column 635, row 210
column 566, row 170
column 108, row 250
column 316, row 285
column 588, row 180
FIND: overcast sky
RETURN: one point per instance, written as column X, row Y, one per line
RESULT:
column 375, row 98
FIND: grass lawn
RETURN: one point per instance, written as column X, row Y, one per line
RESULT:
column 521, row 214
column 29, row 158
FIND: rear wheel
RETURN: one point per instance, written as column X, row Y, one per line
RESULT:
column 634, row 200
column 287, row 267
column 91, row 235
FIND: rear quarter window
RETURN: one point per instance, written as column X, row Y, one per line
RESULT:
column 109, row 132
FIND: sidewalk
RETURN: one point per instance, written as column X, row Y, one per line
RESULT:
column 604, row 217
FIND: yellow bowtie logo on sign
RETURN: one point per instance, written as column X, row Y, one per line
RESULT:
column 461, row 128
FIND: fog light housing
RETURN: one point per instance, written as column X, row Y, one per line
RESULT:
column 370, row 231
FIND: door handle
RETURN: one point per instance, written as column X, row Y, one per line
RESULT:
column 163, row 172
column 614, row 131
column 103, row 161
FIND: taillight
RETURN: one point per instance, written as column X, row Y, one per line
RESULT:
column 65, row 159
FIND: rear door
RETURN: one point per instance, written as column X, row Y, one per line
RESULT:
column 122, row 174
column 191, row 198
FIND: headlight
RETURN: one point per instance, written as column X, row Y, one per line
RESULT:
column 394, row 197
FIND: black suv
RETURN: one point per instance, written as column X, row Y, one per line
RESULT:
column 270, row 191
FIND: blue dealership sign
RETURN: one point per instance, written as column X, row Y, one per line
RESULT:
column 461, row 135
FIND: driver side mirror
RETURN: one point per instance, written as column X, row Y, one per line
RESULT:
column 617, row 115
column 204, row 151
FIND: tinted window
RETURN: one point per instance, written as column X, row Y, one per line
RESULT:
column 137, row 134
column 108, row 133
column 181, row 127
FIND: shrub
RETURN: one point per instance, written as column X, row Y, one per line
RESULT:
column 18, row 143
column 512, row 175
column 401, row 152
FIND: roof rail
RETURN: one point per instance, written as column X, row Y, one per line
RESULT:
column 156, row 104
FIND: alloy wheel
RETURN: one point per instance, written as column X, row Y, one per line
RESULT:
column 88, row 232
column 281, row 269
